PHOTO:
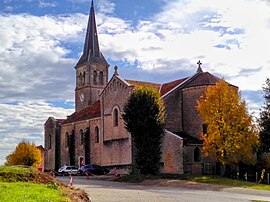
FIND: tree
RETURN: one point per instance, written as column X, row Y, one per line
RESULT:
column 231, row 137
column 26, row 153
column 144, row 119
column 264, row 119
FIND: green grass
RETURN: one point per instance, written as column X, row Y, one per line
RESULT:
column 19, row 183
column 22, row 191
column 15, row 174
column 229, row 182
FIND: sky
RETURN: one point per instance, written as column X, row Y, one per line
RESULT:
column 154, row 40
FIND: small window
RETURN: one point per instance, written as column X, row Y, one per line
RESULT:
column 97, row 134
column 66, row 139
column 101, row 78
column 114, row 85
column 197, row 154
column 50, row 142
column 95, row 77
column 115, row 117
column 81, row 137
column 84, row 75
column 80, row 79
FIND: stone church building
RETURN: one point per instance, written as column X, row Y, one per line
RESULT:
column 95, row 133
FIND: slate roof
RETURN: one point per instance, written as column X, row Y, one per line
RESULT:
column 91, row 51
column 90, row 112
column 188, row 139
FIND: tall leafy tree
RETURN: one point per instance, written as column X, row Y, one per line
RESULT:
column 144, row 119
column 264, row 120
column 231, row 136
column 26, row 153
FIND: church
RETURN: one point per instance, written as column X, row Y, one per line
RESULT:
column 95, row 132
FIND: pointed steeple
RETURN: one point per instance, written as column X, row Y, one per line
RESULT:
column 91, row 51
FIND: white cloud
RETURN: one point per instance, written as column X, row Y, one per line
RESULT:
column 105, row 6
column 231, row 38
column 33, row 57
column 24, row 121
column 43, row 4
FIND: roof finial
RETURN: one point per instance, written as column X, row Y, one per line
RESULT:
column 199, row 70
column 116, row 70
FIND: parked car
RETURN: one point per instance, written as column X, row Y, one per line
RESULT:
column 93, row 169
column 66, row 170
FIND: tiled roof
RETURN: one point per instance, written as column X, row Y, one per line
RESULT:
column 90, row 112
column 202, row 79
column 60, row 121
column 166, row 87
column 138, row 84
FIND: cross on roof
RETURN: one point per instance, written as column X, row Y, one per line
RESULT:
column 199, row 64
column 115, row 70
column 199, row 70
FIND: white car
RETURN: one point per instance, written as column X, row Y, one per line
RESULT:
column 66, row 170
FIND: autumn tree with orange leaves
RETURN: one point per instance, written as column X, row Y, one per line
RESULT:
column 26, row 153
column 231, row 137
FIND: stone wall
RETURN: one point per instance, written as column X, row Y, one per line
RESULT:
column 116, row 140
column 192, row 122
column 173, row 104
column 95, row 147
column 172, row 153
column 52, row 132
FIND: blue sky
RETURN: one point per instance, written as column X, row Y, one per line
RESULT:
column 154, row 40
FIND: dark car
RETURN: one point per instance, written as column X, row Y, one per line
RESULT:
column 92, row 169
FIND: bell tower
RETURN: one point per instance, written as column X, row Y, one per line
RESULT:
column 91, row 69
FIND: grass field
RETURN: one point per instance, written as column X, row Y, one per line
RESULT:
column 27, row 184
column 229, row 182
column 27, row 191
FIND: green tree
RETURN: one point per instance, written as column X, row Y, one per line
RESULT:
column 144, row 119
column 26, row 153
column 264, row 119
column 231, row 137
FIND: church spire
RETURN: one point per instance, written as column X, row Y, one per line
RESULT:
column 91, row 51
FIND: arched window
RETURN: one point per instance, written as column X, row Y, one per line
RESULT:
column 115, row 117
column 84, row 75
column 97, row 134
column 81, row 136
column 80, row 81
column 95, row 77
column 197, row 154
column 66, row 139
column 114, row 85
column 50, row 142
column 101, row 78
